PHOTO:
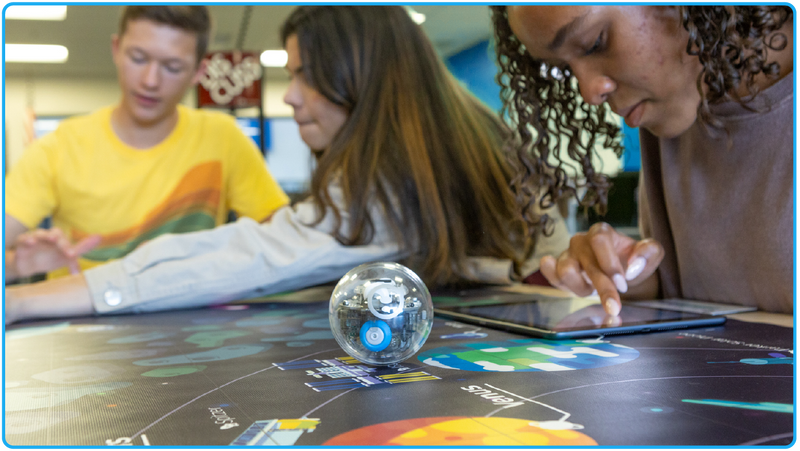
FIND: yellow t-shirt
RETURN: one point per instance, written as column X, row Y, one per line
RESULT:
column 90, row 182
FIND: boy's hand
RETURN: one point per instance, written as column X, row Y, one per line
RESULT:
column 44, row 250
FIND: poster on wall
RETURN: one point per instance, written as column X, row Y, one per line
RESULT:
column 232, row 79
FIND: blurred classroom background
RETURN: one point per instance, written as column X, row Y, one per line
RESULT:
column 82, row 78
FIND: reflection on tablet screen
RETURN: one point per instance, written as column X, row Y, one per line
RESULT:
column 570, row 314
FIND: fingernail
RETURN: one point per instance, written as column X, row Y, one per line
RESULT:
column 619, row 281
column 635, row 268
column 586, row 278
column 612, row 307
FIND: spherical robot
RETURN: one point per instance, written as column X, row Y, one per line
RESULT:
column 381, row 313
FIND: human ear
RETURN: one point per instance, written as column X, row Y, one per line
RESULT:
column 114, row 45
column 201, row 70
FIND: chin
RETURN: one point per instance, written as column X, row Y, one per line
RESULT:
column 313, row 143
column 671, row 129
column 661, row 132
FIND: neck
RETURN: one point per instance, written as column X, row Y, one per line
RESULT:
column 140, row 135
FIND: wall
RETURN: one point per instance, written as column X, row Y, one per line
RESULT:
column 475, row 68
column 50, row 97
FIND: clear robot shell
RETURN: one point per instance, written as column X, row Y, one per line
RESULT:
column 381, row 313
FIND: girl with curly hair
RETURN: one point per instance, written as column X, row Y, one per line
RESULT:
column 711, row 90
column 410, row 168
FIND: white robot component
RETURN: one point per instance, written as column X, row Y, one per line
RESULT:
column 385, row 298
column 381, row 313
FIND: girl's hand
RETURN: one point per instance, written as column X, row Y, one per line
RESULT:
column 604, row 260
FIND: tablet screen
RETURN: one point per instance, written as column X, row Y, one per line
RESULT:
column 569, row 314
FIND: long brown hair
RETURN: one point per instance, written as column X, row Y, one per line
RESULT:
column 415, row 142
column 546, row 110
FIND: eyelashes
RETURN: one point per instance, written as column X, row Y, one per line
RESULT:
column 598, row 44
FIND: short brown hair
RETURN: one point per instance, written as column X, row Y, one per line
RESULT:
column 194, row 19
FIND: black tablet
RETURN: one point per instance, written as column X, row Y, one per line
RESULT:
column 554, row 318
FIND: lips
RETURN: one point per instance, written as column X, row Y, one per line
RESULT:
column 146, row 101
column 633, row 114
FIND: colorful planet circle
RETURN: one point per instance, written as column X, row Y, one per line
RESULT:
column 460, row 431
column 529, row 355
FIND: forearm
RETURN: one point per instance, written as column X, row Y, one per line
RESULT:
column 58, row 298
column 11, row 266
column 231, row 262
column 14, row 228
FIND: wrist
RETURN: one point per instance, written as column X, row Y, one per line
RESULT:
column 12, row 271
column 13, row 306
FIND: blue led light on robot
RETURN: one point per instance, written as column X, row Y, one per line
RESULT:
column 381, row 313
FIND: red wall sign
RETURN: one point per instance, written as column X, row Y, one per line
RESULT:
column 232, row 79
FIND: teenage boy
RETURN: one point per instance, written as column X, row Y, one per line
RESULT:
column 147, row 166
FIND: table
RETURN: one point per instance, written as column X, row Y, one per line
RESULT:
column 272, row 374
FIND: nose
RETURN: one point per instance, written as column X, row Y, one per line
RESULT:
column 292, row 96
column 152, row 75
column 595, row 87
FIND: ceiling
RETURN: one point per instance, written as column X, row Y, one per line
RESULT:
column 87, row 31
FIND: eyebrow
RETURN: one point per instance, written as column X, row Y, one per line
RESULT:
column 566, row 31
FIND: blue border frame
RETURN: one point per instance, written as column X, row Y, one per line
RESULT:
column 737, row 2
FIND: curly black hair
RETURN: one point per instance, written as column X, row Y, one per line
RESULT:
column 731, row 42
